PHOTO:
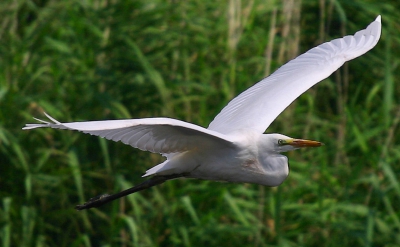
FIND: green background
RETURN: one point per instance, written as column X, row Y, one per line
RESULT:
column 111, row 59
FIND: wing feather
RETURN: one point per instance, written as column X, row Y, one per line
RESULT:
column 259, row 105
column 158, row 135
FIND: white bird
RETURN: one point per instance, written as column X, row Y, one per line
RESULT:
column 233, row 148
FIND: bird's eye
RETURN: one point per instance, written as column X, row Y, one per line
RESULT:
column 281, row 142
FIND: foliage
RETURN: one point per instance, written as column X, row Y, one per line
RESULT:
column 96, row 59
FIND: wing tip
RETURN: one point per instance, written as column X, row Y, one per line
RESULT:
column 376, row 29
column 51, row 118
column 42, row 124
column 31, row 126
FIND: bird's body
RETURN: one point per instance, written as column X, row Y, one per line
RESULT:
column 244, row 160
column 233, row 148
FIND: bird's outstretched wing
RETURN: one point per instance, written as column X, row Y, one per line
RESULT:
column 158, row 135
column 259, row 105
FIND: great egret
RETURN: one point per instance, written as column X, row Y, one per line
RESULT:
column 233, row 148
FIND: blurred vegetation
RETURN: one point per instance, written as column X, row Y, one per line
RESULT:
column 99, row 59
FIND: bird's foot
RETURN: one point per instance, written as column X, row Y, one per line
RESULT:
column 93, row 202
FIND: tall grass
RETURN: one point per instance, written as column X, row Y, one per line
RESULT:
column 94, row 60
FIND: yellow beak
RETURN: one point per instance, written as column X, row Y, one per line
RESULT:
column 300, row 143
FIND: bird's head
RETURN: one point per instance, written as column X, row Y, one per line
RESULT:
column 281, row 143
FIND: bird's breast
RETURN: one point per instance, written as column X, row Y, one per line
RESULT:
column 231, row 165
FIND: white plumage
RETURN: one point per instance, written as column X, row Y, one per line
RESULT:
column 233, row 148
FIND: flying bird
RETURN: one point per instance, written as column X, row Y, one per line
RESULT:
column 234, row 147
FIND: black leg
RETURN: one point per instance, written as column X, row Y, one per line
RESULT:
column 103, row 199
